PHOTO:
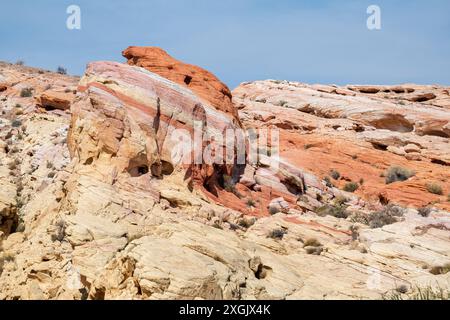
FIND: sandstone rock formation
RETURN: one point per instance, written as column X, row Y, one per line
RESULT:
column 359, row 132
column 93, row 205
column 203, row 83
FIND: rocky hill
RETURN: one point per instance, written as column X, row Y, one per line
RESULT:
column 352, row 203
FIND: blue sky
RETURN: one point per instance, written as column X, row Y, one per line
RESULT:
column 321, row 41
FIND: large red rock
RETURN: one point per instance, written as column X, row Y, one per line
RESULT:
column 55, row 99
column 203, row 83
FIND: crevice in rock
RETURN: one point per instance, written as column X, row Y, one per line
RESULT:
column 187, row 80
column 440, row 162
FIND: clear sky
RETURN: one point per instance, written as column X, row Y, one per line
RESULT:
column 316, row 41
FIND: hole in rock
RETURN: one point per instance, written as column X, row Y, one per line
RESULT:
column 166, row 168
column 393, row 122
column 435, row 133
column 138, row 166
column 89, row 161
column 187, row 80
column 263, row 272
column 440, row 162
column 379, row 146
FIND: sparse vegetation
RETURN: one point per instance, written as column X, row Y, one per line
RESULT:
column 308, row 146
column 251, row 203
column 437, row 270
column 328, row 182
column 311, row 242
column 434, row 188
column 61, row 70
column 51, row 174
column 340, row 200
column 424, row 212
column 16, row 123
column 273, row 210
column 277, row 234
column 20, row 62
column 337, row 210
column 426, row 293
column 282, row 103
column 26, row 92
column 397, row 173
column 385, row 217
column 335, row 174
column 60, row 232
column 246, row 223
column 351, row 187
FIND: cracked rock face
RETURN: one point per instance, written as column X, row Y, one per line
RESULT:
column 92, row 205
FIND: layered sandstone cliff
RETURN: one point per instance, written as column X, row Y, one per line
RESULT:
column 93, row 204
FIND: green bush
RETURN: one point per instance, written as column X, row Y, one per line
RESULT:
column 427, row 293
column 61, row 70
column 435, row 188
column 351, row 187
column 26, row 92
column 385, row 217
column 424, row 212
column 396, row 173
column 335, row 174
column 277, row 234
column 338, row 211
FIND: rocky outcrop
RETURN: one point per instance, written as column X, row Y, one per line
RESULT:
column 360, row 132
column 55, row 100
column 102, row 210
column 203, row 83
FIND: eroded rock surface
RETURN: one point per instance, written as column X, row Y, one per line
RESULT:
column 93, row 206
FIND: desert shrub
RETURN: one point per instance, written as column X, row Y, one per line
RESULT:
column 385, row 217
column 246, row 223
column 335, row 174
column 395, row 173
column 26, row 92
column 361, row 181
column 448, row 197
column 340, row 200
column 338, row 211
column 426, row 293
column 277, row 234
column 261, row 100
column 61, row 70
column 437, row 270
column 60, row 232
column 20, row 62
column 16, row 123
column 282, row 103
column 228, row 183
column 360, row 217
column 217, row 225
column 328, row 182
column 402, row 289
column 51, row 175
column 351, row 187
column 424, row 212
column 273, row 210
column 434, row 188
column 311, row 242
column 18, row 106
column 251, row 203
